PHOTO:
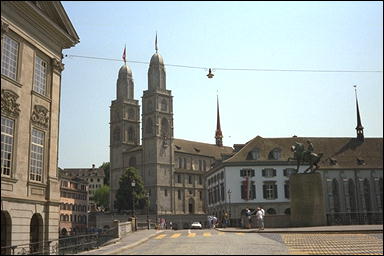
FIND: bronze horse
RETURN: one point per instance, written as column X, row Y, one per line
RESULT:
column 303, row 156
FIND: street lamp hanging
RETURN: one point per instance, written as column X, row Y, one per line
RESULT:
column 210, row 75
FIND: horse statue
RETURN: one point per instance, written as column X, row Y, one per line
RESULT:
column 305, row 156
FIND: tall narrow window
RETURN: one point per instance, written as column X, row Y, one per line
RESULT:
column 37, row 155
column 40, row 79
column 7, row 130
column 9, row 54
column 270, row 191
column 286, row 189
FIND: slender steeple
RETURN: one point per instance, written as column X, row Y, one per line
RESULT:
column 359, row 127
column 219, row 134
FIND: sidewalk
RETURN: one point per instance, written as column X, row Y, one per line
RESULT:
column 325, row 229
column 127, row 242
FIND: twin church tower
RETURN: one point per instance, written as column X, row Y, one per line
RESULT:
column 172, row 169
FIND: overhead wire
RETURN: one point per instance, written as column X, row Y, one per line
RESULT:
column 232, row 69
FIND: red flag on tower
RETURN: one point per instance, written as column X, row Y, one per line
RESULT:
column 124, row 54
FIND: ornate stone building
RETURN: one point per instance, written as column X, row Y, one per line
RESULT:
column 33, row 35
column 172, row 169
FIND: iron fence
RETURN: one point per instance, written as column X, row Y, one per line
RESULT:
column 354, row 218
column 64, row 245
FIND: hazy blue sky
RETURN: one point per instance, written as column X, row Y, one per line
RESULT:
column 233, row 35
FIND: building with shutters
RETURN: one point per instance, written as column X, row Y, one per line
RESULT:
column 258, row 175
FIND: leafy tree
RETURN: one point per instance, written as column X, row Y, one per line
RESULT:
column 107, row 167
column 125, row 192
column 101, row 196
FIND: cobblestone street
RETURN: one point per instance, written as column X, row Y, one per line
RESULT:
column 356, row 244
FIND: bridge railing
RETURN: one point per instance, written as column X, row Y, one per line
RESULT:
column 64, row 245
column 354, row 218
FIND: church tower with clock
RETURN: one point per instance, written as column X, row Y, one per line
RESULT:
column 157, row 133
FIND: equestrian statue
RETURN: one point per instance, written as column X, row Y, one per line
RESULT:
column 303, row 156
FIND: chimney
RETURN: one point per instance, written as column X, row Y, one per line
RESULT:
column 93, row 166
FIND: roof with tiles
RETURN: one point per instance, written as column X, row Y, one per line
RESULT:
column 84, row 172
column 338, row 152
column 203, row 149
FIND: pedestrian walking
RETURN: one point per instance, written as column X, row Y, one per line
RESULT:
column 248, row 215
column 259, row 219
column 262, row 220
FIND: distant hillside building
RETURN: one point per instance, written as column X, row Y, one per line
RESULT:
column 94, row 177
column 73, row 206
column 33, row 35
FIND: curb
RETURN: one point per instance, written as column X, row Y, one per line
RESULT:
column 133, row 244
column 303, row 231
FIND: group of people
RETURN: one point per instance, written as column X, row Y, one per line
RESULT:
column 259, row 213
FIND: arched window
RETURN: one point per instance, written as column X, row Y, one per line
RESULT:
column 274, row 154
column 254, row 154
column 367, row 195
column 352, row 195
column 150, row 106
column 132, row 162
column 336, row 196
column 164, row 127
column 36, row 233
column 116, row 134
column 131, row 134
column 164, row 105
column 131, row 114
column 271, row 211
column 287, row 211
column 149, row 125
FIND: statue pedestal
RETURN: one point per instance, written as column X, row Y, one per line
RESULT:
column 307, row 200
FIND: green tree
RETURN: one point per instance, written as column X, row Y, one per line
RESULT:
column 101, row 196
column 107, row 167
column 126, row 192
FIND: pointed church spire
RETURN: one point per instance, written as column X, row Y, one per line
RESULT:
column 359, row 127
column 219, row 134
column 156, row 43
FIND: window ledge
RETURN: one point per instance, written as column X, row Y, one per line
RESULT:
column 8, row 179
column 11, row 80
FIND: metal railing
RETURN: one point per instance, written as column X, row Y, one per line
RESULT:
column 354, row 218
column 64, row 245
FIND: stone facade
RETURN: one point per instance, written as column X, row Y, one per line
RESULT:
column 33, row 35
column 172, row 169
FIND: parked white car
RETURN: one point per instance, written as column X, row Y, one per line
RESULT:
column 196, row 225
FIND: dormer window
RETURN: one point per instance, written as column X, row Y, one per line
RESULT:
column 254, row 154
column 196, row 149
column 332, row 161
column 178, row 147
column 274, row 154
column 360, row 161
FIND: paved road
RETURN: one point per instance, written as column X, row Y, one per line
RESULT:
column 207, row 242
column 213, row 242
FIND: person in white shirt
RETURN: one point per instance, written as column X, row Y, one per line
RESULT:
column 260, row 218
